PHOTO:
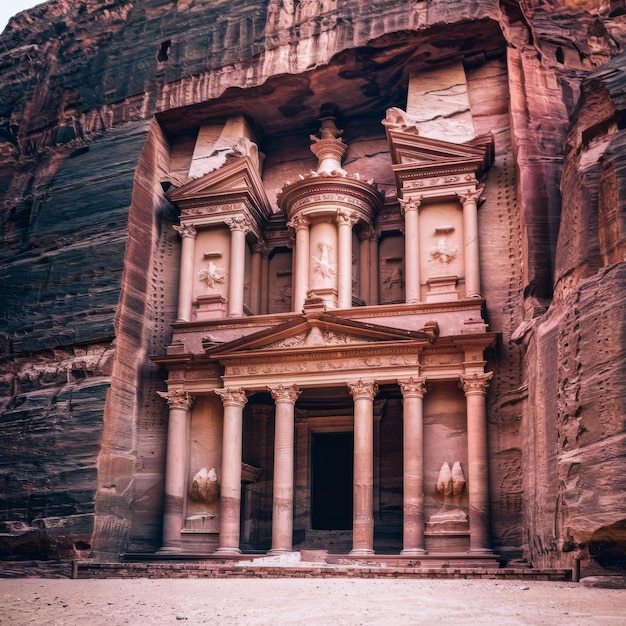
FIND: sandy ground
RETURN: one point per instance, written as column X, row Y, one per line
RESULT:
column 336, row 602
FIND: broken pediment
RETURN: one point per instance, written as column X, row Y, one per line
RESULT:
column 407, row 146
column 236, row 184
column 432, row 164
column 314, row 332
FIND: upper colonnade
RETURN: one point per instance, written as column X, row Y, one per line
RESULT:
column 333, row 215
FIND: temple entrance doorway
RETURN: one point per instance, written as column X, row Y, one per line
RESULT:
column 331, row 481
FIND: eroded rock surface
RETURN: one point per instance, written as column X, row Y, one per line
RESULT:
column 100, row 104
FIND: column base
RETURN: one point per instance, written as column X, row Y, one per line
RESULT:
column 413, row 552
column 227, row 551
column 361, row 552
column 279, row 551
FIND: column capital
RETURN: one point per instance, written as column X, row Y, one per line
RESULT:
column 239, row 223
column 288, row 394
column 470, row 195
column 185, row 230
column 414, row 387
column 299, row 222
column 177, row 399
column 475, row 384
column 232, row 397
column 363, row 389
column 260, row 247
column 410, row 204
column 345, row 217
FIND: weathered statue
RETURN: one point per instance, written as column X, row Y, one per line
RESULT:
column 204, row 487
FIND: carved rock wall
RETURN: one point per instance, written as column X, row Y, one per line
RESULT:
column 88, row 248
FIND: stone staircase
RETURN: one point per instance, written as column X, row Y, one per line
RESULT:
column 321, row 564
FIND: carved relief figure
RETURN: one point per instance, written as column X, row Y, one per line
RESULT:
column 444, row 253
column 450, row 484
column 213, row 274
column 322, row 263
column 204, row 487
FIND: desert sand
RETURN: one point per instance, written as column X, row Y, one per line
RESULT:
column 338, row 602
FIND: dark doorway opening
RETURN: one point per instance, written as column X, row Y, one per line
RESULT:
column 331, row 488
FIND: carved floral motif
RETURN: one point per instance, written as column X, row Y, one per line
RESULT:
column 475, row 383
column 186, row 231
column 363, row 389
column 288, row 394
column 177, row 399
column 232, row 397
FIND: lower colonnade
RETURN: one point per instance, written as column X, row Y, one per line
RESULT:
column 363, row 392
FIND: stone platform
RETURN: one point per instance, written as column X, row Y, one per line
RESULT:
column 317, row 564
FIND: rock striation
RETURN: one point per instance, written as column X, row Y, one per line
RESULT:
column 100, row 107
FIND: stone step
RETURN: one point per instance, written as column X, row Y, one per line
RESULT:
column 348, row 568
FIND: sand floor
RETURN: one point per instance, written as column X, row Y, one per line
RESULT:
column 335, row 602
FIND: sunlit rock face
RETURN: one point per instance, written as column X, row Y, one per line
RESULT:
column 107, row 107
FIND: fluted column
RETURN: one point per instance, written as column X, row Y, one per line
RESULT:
column 230, row 498
column 469, row 199
column 176, row 467
column 345, row 221
column 475, row 388
column 363, row 394
column 301, row 278
column 185, row 283
column 413, row 391
column 374, row 268
column 282, row 505
column 410, row 208
column 239, row 226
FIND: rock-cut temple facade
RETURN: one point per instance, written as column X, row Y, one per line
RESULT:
column 314, row 276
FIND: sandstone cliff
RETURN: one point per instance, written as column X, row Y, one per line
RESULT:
column 93, row 91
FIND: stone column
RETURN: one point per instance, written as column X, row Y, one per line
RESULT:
column 301, row 262
column 469, row 199
column 176, row 468
column 345, row 221
column 413, row 391
column 374, row 268
column 256, row 267
column 475, row 388
column 363, row 514
column 185, row 287
column 230, row 497
column 410, row 208
column 364, row 267
column 265, row 278
column 282, row 509
column 239, row 226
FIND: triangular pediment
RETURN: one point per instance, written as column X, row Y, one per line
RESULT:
column 318, row 332
column 410, row 149
column 233, row 181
